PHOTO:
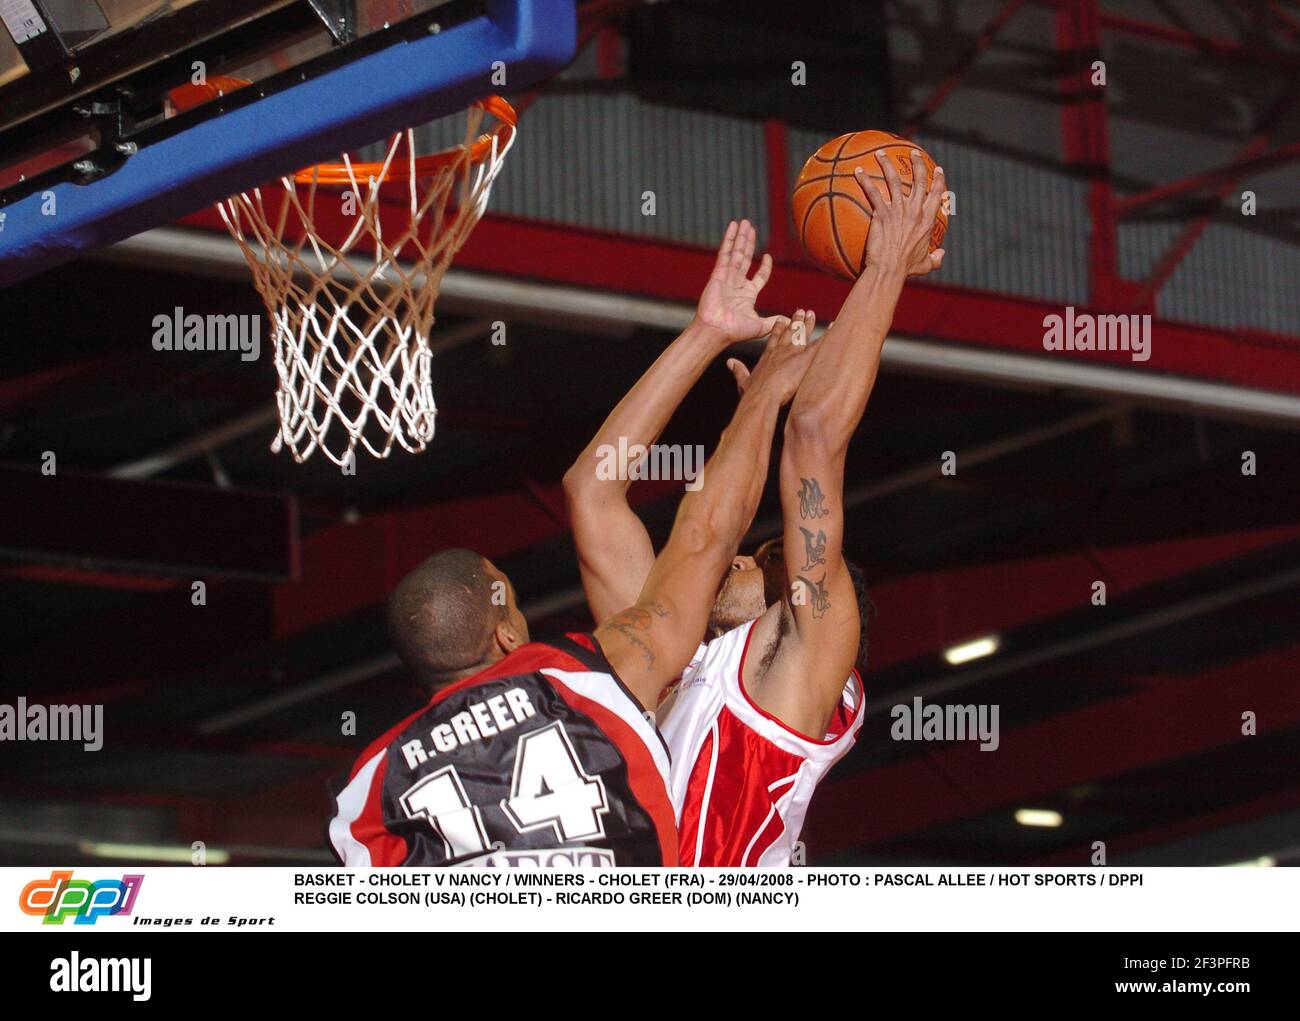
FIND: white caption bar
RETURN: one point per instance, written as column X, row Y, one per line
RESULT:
column 157, row 899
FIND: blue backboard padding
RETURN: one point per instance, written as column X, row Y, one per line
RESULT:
column 406, row 84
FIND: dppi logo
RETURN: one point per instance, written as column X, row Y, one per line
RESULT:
column 61, row 896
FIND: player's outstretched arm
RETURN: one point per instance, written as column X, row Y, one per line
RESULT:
column 614, row 550
column 806, row 677
column 650, row 642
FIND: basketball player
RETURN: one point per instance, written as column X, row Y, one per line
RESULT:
column 773, row 697
column 543, row 752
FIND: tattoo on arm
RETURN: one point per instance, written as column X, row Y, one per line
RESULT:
column 812, row 503
column 633, row 620
column 815, row 595
column 814, row 548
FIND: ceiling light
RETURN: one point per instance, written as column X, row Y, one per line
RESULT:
column 1038, row 817
column 967, row 651
column 152, row 852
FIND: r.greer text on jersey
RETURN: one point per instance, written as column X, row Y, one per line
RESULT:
column 477, row 721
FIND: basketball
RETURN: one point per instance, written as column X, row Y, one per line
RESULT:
column 830, row 212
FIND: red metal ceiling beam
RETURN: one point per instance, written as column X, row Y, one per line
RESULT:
column 1228, row 174
column 1208, row 45
column 594, row 23
column 50, row 574
column 1182, row 245
column 1156, row 724
column 950, row 81
column 1187, row 238
column 775, row 141
column 603, row 261
column 1085, row 142
column 609, row 53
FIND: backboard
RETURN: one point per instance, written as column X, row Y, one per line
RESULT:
column 89, row 154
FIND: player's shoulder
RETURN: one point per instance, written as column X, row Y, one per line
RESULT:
column 753, row 642
column 760, row 652
column 736, row 640
column 523, row 666
column 573, row 651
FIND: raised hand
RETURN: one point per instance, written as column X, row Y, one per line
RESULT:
column 727, row 304
column 901, row 224
column 785, row 358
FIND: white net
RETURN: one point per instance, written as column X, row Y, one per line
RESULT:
column 350, row 322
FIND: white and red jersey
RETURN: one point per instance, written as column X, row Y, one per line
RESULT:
column 741, row 780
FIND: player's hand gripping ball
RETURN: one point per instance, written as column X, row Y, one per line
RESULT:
column 830, row 211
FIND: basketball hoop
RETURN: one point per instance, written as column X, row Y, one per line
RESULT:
column 351, row 320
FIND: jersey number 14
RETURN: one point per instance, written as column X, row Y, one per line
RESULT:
column 549, row 789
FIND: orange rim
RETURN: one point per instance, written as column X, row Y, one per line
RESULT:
column 187, row 97
column 425, row 166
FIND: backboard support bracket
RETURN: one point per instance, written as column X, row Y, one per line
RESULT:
column 275, row 127
column 339, row 18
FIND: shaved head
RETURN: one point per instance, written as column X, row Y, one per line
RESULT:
column 443, row 616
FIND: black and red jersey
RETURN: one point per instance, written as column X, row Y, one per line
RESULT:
column 545, row 758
